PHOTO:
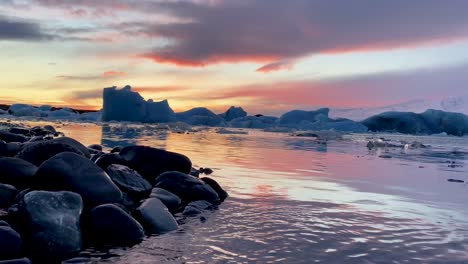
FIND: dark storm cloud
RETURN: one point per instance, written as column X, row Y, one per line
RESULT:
column 15, row 29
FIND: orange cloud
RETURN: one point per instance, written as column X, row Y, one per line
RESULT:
column 113, row 73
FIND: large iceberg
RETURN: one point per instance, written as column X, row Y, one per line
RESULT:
column 200, row 116
column 429, row 122
column 233, row 113
column 318, row 120
column 260, row 122
column 126, row 105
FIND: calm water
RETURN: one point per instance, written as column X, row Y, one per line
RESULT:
column 293, row 200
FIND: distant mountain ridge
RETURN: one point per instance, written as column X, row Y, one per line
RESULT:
column 450, row 104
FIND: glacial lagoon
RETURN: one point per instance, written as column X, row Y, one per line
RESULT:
column 298, row 200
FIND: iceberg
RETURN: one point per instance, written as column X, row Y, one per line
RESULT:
column 233, row 113
column 127, row 105
column 429, row 122
column 200, row 116
column 318, row 120
column 259, row 122
column 25, row 110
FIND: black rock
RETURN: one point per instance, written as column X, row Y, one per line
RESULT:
column 38, row 152
column 52, row 224
column 10, row 137
column 16, row 261
column 49, row 129
column 116, row 150
column 215, row 185
column 13, row 148
column 93, row 152
column 10, row 243
column 3, row 223
column 73, row 172
column 197, row 207
column 96, row 156
column 36, row 139
column 95, row 147
column 7, row 195
column 16, row 172
column 110, row 225
column 75, row 144
column 108, row 159
column 194, row 172
column 187, row 187
column 155, row 217
column 170, row 200
column 129, row 181
column 20, row 131
column 151, row 162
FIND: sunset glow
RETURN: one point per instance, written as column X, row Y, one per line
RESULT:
column 267, row 56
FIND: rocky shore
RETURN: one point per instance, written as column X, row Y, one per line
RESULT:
column 58, row 197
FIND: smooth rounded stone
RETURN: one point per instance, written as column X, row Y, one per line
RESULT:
column 10, row 243
column 215, row 185
column 110, row 225
column 36, row 139
column 206, row 171
column 93, row 152
column 13, row 148
column 116, row 150
column 127, row 202
column 197, row 207
column 151, row 162
column 96, row 156
column 19, row 131
column 16, row 261
column 129, row 181
column 95, row 147
column 75, row 144
column 73, row 172
column 38, row 152
column 155, row 217
column 4, row 223
column 108, row 159
column 52, row 223
column 170, row 200
column 187, row 187
column 49, row 129
column 19, row 197
column 7, row 195
column 194, row 172
column 10, row 137
column 16, row 171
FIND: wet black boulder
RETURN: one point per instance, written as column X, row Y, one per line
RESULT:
column 170, row 200
column 107, row 159
column 38, row 152
column 110, row 225
column 10, row 243
column 129, row 181
column 11, row 137
column 7, row 195
column 75, row 144
column 215, row 185
column 187, row 187
column 155, row 217
column 16, row 172
column 150, row 162
column 16, row 261
column 95, row 147
column 52, row 224
column 73, row 172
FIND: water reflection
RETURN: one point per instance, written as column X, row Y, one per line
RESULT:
column 295, row 200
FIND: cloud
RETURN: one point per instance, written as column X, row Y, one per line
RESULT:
column 16, row 29
column 378, row 89
column 114, row 74
column 276, row 66
column 104, row 75
column 267, row 31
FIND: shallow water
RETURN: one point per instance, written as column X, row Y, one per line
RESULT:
column 295, row 200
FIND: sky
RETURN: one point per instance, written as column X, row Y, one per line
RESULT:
column 268, row 56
